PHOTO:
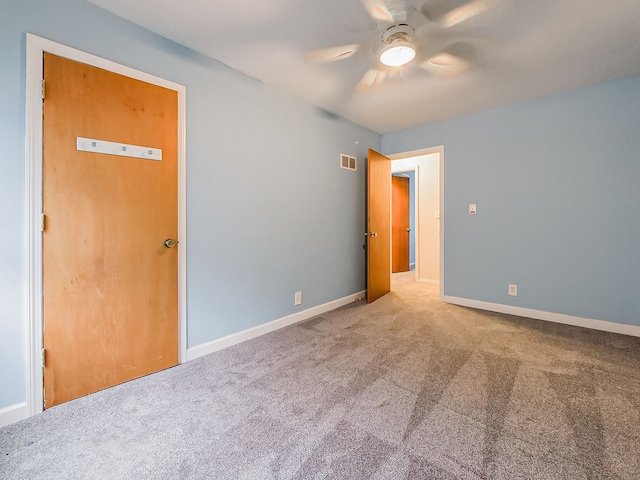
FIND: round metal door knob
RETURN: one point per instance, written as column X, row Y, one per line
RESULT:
column 170, row 243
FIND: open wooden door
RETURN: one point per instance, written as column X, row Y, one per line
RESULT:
column 400, row 225
column 110, row 272
column 378, row 226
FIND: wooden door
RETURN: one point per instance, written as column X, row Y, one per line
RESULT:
column 110, row 285
column 378, row 226
column 401, row 230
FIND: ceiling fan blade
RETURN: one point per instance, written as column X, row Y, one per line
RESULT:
column 446, row 64
column 330, row 54
column 467, row 11
column 370, row 79
column 377, row 10
column 436, row 10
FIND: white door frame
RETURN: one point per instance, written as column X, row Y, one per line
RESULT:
column 36, row 47
column 416, row 153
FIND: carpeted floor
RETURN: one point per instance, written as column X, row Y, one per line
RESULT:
column 404, row 388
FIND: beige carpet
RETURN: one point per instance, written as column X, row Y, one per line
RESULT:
column 404, row 388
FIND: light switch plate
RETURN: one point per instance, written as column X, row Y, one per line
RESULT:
column 472, row 209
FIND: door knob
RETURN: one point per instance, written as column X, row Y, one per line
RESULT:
column 408, row 229
column 170, row 243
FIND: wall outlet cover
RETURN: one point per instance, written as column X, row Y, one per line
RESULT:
column 513, row 290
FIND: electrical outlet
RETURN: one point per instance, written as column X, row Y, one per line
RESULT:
column 513, row 290
column 298, row 298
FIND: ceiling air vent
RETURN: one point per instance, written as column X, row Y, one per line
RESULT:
column 348, row 162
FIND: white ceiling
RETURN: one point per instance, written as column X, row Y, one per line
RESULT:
column 517, row 49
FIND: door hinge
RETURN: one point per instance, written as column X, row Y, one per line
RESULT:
column 42, row 88
column 42, row 217
column 44, row 357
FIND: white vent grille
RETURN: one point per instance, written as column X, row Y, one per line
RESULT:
column 348, row 162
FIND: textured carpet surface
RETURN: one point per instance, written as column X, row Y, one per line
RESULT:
column 404, row 388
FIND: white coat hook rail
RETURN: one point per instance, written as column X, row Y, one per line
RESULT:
column 120, row 149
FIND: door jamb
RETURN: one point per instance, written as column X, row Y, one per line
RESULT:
column 416, row 153
column 35, row 49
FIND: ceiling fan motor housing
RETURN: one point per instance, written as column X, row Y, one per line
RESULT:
column 400, row 32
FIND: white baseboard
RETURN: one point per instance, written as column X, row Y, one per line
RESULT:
column 235, row 338
column 13, row 414
column 426, row 280
column 603, row 325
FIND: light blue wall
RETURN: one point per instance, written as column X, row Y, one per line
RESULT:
column 269, row 211
column 412, row 213
column 557, row 184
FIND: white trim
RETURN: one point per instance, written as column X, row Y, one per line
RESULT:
column 33, row 205
column 603, row 325
column 235, row 338
column 426, row 280
column 36, row 46
column 13, row 414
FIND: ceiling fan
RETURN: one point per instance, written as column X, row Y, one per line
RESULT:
column 411, row 35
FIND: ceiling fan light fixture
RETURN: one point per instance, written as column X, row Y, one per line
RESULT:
column 397, row 54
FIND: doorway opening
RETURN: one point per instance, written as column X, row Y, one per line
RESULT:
column 427, row 166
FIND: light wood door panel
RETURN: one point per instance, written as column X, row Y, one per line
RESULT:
column 110, row 285
column 378, row 226
column 400, row 187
